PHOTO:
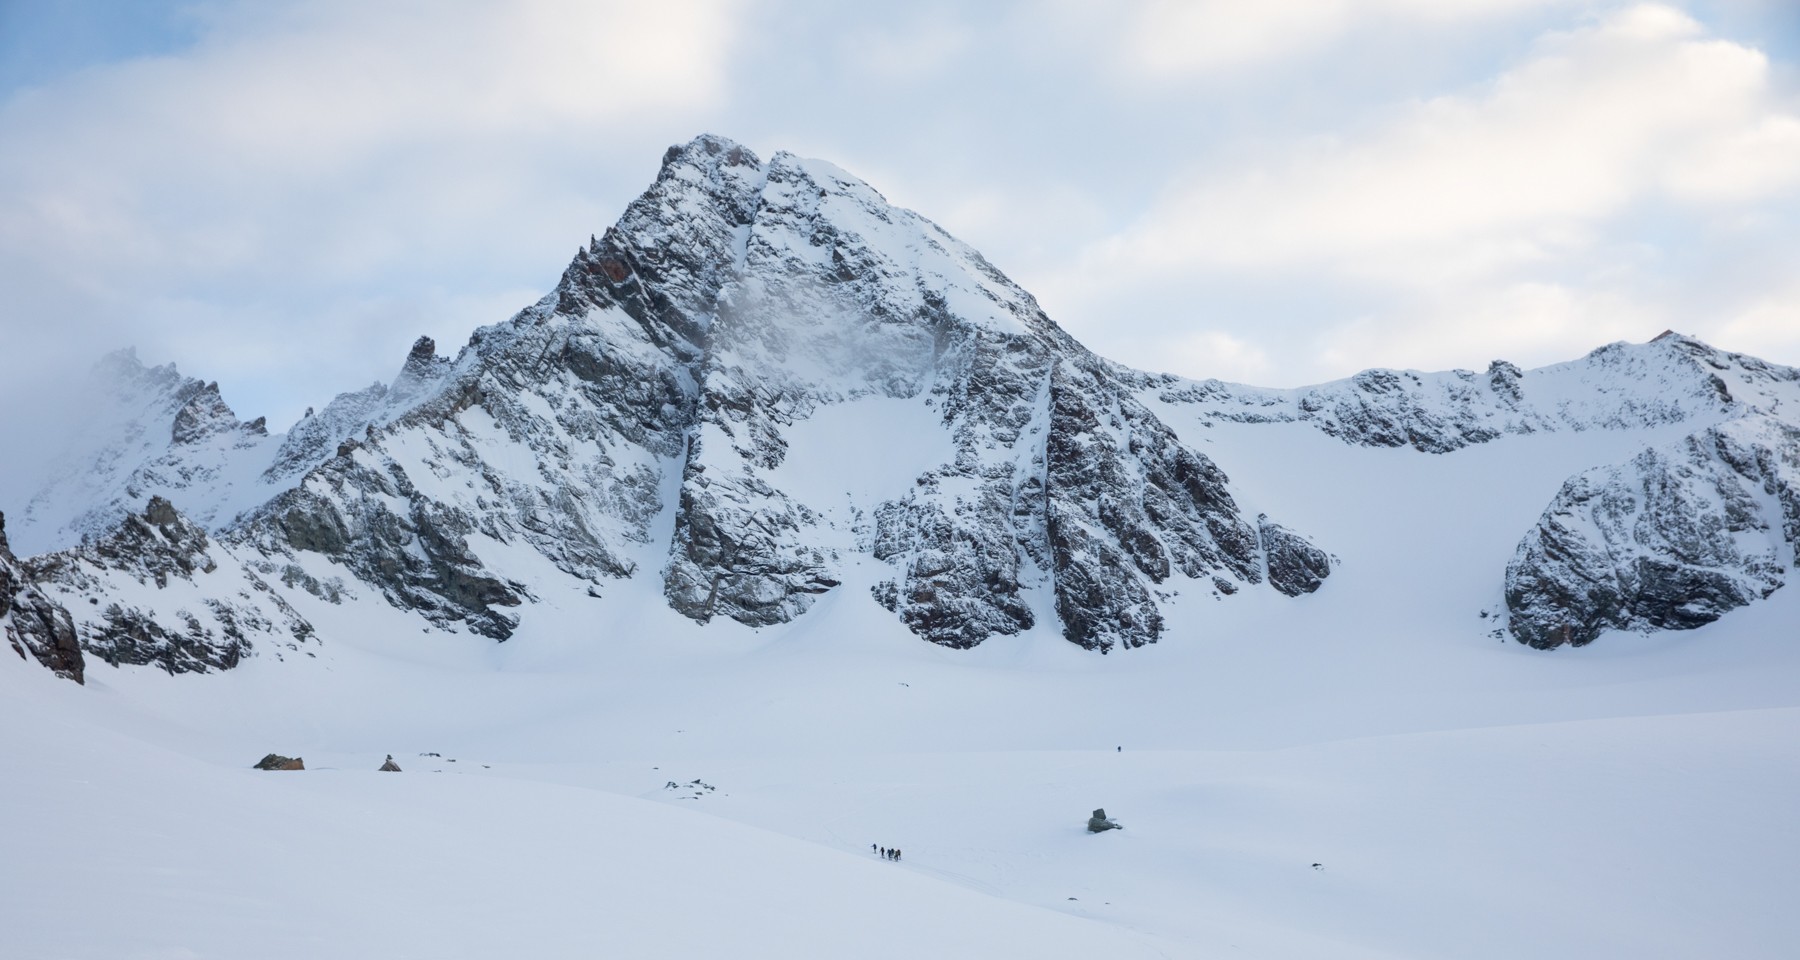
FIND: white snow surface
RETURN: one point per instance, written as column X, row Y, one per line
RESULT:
column 1461, row 796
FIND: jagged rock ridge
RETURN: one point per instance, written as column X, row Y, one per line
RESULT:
column 1672, row 379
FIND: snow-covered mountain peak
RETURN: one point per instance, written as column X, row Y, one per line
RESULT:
column 672, row 377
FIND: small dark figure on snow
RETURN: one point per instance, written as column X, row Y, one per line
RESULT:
column 1119, row 749
column 884, row 853
column 896, row 854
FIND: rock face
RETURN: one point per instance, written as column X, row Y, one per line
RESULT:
column 33, row 624
column 1048, row 474
column 157, row 590
column 1672, row 540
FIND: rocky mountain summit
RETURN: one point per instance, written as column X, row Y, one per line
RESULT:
column 665, row 379
column 154, row 433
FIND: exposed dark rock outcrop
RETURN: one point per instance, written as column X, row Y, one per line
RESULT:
column 276, row 761
column 1671, row 540
column 1295, row 566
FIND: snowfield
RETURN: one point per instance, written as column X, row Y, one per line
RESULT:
column 1367, row 771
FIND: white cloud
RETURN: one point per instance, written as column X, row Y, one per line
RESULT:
column 1221, row 354
column 1640, row 105
column 1768, row 326
column 1172, row 38
column 1527, row 322
column 306, row 155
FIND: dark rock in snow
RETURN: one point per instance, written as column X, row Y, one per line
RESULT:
column 1671, row 540
column 148, row 557
column 276, row 761
column 1295, row 566
column 389, row 766
column 1098, row 823
column 34, row 624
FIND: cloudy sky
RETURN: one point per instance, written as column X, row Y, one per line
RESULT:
column 282, row 195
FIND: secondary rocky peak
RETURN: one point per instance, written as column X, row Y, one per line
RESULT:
column 203, row 414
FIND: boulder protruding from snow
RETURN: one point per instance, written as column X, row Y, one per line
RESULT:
column 1098, row 823
column 389, row 766
column 1295, row 566
column 276, row 761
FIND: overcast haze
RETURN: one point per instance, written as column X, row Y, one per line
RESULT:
column 281, row 196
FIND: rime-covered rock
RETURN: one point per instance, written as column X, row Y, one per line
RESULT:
column 1673, row 539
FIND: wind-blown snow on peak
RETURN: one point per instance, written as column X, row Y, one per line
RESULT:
column 1046, row 477
column 149, row 431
